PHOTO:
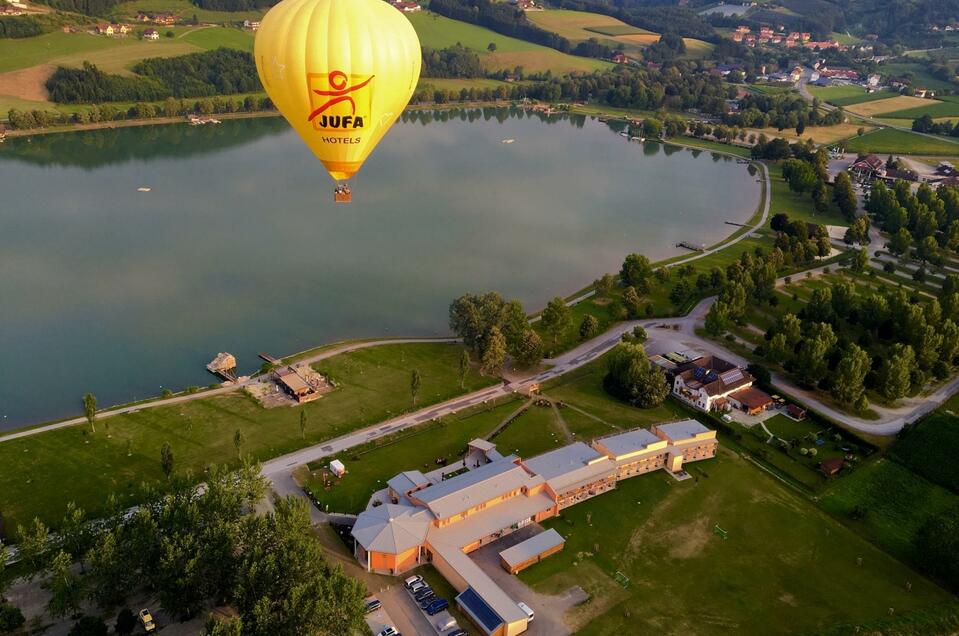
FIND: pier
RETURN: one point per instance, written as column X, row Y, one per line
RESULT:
column 691, row 246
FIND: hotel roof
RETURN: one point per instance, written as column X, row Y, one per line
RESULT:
column 391, row 529
column 628, row 443
column 474, row 487
column 407, row 481
column 570, row 465
column 679, row 431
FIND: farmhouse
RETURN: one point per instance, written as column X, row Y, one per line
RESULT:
column 868, row 168
column 706, row 383
column 441, row 517
column 253, row 25
column 151, row 34
column 407, row 7
column 750, row 400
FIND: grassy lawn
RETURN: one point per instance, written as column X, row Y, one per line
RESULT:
column 892, row 501
column 819, row 134
column 22, row 53
column 901, row 142
column 799, row 206
column 372, row 465
column 214, row 38
column 847, row 95
column 439, row 32
column 44, row 472
column 785, row 568
column 455, row 84
column 925, row 449
column 535, row 431
column 706, row 144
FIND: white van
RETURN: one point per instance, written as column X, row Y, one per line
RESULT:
column 529, row 611
column 416, row 578
column 447, row 623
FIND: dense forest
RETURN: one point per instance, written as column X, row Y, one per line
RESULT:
column 90, row 85
column 220, row 72
column 86, row 7
column 234, row 5
column 21, row 26
column 455, row 61
column 646, row 15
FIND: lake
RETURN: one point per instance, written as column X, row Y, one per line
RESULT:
column 238, row 246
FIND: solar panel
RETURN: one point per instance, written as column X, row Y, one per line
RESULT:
column 472, row 603
column 733, row 375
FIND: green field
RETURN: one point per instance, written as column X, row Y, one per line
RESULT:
column 577, row 26
column 946, row 106
column 44, row 472
column 847, row 95
column 919, row 73
column 900, row 142
column 888, row 503
column 214, row 38
column 455, row 83
column 785, row 567
column 799, row 206
column 926, row 448
column 439, row 32
column 17, row 54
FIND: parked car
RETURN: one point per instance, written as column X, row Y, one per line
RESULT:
column 448, row 623
column 428, row 600
column 423, row 592
column 416, row 587
column 372, row 605
column 529, row 611
column 457, row 632
column 437, row 606
column 389, row 630
column 416, row 578
column 146, row 620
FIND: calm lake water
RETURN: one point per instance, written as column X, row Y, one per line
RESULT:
column 239, row 247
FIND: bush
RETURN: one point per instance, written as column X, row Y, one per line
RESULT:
column 89, row 626
column 126, row 622
column 11, row 618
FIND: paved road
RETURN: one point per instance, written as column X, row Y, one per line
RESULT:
column 326, row 353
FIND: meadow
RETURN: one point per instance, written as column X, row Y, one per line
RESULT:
column 885, row 106
column 847, row 95
column 440, row 32
column 946, row 106
column 901, row 142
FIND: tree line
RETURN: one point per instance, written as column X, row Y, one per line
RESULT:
column 234, row 5
column 86, row 7
column 195, row 550
column 31, row 119
column 20, row 26
column 924, row 225
column 453, row 61
column 926, row 124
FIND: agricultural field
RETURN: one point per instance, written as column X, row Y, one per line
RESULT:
column 439, row 32
column 901, row 142
column 926, row 448
column 577, row 26
column 847, row 95
column 27, row 52
column 819, row 134
column 43, row 472
column 784, row 568
column 455, row 83
column 216, row 37
column 886, row 106
column 941, row 107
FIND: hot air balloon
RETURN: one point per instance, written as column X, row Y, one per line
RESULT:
column 341, row 72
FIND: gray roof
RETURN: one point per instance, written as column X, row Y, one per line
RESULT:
column 678, row 431
column 391, row 529
column 570, row 465
column 532, row 547
column 482, row 444
column 407, row 480
column 474, row 487
column 628, row 442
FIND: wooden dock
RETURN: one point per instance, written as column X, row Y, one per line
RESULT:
column 691, row 246
column 268, row 358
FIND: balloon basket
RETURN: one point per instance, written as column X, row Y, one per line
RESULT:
column 342, row 194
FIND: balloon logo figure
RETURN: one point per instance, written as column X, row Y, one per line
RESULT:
column 340, row 72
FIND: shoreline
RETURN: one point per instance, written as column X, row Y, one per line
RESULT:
column 753, row 222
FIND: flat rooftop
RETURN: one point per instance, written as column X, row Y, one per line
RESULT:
column 532, row 547
column 450, row 497
column 623, row 445
column 678, row 431
column 570, row 465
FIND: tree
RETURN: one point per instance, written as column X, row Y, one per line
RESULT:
column 896, row 373
column 491, row 47
column 530, row 350
column 631, row 378
column 495, row 354
column 238, row 441
column 220, row 627
column 110, row 574
column 4, row 583
column 126, row 622
column 820, row 197
column 636, row 336
column 556, row 318
column 848, row 384
column 284, row 585
column 464, row 367
column 415, row 383
column 636, row 272
column 937, row 546
column 812, row 362
column 32, row 548
column 680, row 293
column 89, row 626
column 778, row 350
column 800, row 175
column 75, row 534
column 90, row 410
column 845, row 196
column 11, row 618
column 166, row 459
column 860, row 260
column 66, row 589
column 717, row 319
column 632, row 302
column 800, row 128
column 588, row 327
column 472, row 316
column 514, row 323
column 604, row 283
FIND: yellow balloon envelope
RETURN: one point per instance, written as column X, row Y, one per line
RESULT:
column 340, row 71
